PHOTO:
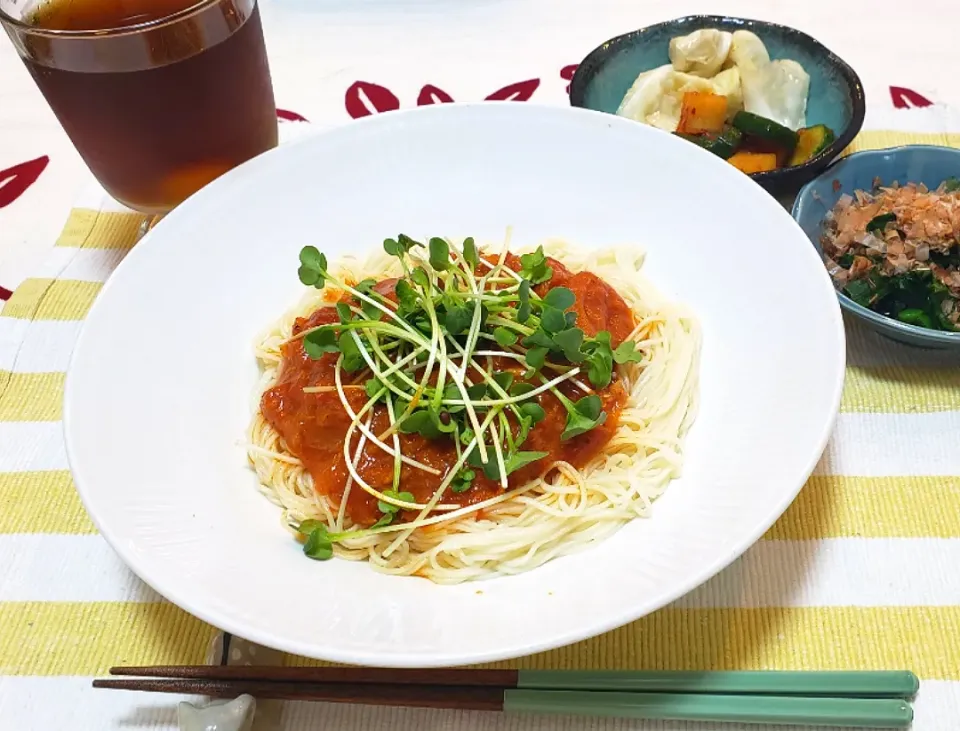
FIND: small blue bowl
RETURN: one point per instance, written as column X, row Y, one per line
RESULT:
column 927, row 164
column 836, row 95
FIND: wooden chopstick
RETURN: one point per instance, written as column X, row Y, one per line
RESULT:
column 423, row 696
column 354, row 675
column 853, row 684
column 837, row 712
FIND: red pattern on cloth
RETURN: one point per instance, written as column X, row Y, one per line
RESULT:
column 431, row 94
column 521, row 91
column 904, row 98
column 364, row 98
column 287, row 116
column 14, row 181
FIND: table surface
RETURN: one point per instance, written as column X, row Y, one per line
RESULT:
column 336, row 59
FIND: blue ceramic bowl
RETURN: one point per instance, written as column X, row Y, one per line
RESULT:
column 836, row 94
column 927, row 164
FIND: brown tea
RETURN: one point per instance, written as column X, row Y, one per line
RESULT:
column 156, row 111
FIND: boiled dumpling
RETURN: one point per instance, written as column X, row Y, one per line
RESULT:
column 701, row 53
column 656, row 96
column 644, row 95
column 747, row 51
column 727, row 83
column 778, row 92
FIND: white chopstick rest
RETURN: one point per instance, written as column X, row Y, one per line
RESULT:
column 235, row 715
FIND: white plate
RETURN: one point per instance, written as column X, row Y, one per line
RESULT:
column 159, row 389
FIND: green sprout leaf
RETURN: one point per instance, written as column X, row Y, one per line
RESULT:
column 450, row 391
column 439, row 254
column 366, row 285
column 310, row 256
column 534, row 267
column 318, row 342
column 521, row 459
column 391, row 509
column 428, row 423
column 318, row 545
column 504, row 379
column 599, row 360
column 373, row 387
column 463, row 481
column 458, row 316
column 470, row 253
column 400, row 246
column 473, row 456
column 407, row 243
column 538, row 339
column 627, row 352
column 421, row 278
column 536, row 357
column 582, row 416
column 523, row 311
column 532, row 411
column 505, row 338
column 511, row 463
column 352, row 359
column 570, row 342
column 344, row 312
column 560, row 297
column 476, row 392
column 313, row 267
column 552, row 320
column 600, row 368
column 385, row 519
column 406, row 297
column 418, row 422
column 306, row 527
column 520, row 388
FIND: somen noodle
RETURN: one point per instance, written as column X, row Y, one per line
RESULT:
column 431, row 465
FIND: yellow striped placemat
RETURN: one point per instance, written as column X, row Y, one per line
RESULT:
column 802, row 598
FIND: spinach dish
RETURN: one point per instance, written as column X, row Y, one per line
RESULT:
column 896, row 250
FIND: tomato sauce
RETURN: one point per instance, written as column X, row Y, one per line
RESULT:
column 314, row 425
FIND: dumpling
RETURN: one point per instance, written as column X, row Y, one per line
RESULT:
column 657, row 95
column 778, row 92
column 727, row 83
column 701, row 53
column 644, row 95
column 747, row 51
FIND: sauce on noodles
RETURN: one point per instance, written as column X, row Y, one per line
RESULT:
column 314, row 425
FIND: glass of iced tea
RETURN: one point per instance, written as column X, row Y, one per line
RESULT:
column 159, row 96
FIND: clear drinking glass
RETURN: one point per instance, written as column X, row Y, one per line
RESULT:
column 159, row 96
